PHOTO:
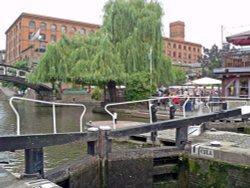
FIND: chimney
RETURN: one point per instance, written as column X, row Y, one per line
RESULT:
column 177, row 30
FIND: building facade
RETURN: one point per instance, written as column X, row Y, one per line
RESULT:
column 28, row 36
column 182, row 53
column 235, row 74
column 180, row 50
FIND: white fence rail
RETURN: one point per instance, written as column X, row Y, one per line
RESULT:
column 54, row 104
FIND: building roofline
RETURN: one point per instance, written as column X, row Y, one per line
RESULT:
column 178, row 41
column 24, row 14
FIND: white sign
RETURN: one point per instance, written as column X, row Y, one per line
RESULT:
column 198, row 149
column 206, row 152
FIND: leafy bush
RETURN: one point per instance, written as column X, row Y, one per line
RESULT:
column 96, row 94
column 138, row 86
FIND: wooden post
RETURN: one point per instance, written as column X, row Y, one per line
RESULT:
column 34, row 162
column 104, row 147
column 154, row 119
column 104, row 144
column 92, row 145
column 181, row 137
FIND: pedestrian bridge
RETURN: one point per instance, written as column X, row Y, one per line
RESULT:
column 18, row 76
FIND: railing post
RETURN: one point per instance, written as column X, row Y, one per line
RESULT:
column 181, row 137
column 34, row 162
column 92, row 145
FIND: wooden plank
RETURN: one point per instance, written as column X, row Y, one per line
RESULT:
column 11, row 143
column 174, row 123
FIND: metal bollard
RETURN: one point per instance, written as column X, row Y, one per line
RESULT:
column 154, row 119
column 34, row 162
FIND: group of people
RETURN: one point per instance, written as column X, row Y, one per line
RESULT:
column 176, row 97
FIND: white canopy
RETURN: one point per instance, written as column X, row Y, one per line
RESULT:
column 206, row 81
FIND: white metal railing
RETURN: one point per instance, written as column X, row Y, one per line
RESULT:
column 12, row 71
column 207, row 103
column 114, row 115
column 54, row 104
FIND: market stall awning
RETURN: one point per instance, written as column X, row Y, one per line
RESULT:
column 241, row 39
column 204, row 81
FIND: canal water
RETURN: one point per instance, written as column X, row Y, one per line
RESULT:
column 36, row 119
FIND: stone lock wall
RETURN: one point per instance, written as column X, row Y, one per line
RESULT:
column 207, row 173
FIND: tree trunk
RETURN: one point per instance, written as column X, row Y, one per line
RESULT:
column 112, row 90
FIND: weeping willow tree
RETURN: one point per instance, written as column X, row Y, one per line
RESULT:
column 54, row 65
column 130, row 42
column 134, row 28
column 98, row 62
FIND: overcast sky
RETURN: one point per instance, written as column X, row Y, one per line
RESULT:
column 203, row 18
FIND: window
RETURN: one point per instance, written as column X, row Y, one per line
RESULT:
column 179, row 46
column 53, row 38
column 189, row 56
column 32, row 24
column 30, row 35
column 174, row 45
column 73, row 29
column 169, row 45
column 64, row 29
column 179, row 55
column 174, row 54
column 42, row 37
column 194, row 49
column 189, row 48
column 184, row 47
column 43, row 26
column 82, row 31
column 53, row 27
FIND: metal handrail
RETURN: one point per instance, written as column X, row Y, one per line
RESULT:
column 53, row 110
column 138, row 101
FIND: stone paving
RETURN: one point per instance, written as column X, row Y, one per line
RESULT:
column 237, row 139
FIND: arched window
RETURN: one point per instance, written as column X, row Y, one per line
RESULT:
column 64, row 29
column 73, row 29
column 53, row 27
column 43, row 25
column 53, row 38
column 82, row 31
column 32, row 24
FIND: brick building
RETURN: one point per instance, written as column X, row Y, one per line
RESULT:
column 22, row 43
column 182, row 53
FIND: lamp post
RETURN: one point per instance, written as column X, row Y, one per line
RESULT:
column 150, row 65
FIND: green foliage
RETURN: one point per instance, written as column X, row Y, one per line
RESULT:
column 22, row 65
column 213, row 58
column 53, row 65
column 178, row 76
column 96, row 61
column 134, row 28
column 137, row 86
column 193, row 166
column 129, row 42
column 96, row 94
